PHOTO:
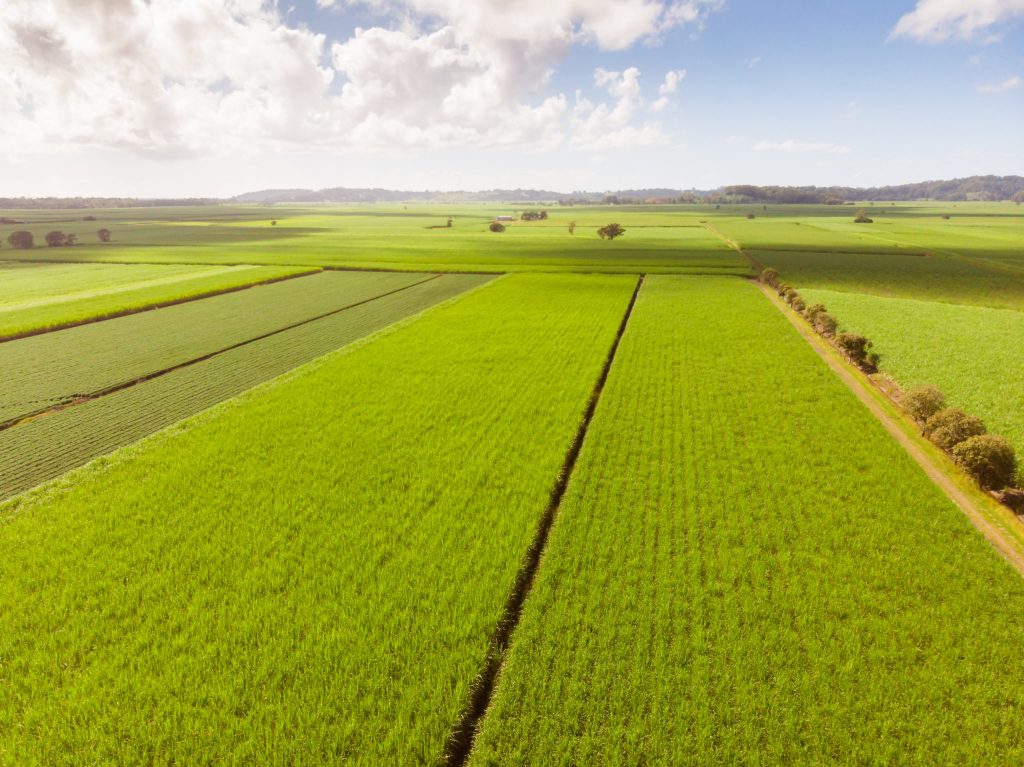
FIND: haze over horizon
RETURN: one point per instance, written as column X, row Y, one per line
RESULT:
column 213, row 98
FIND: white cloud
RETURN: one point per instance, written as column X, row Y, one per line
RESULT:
column 793, row 147
column 1007, row 85
column 178, row 77
column 935, row 21
column 667, row 88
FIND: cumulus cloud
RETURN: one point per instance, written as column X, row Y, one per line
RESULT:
column 179, row 77
column 935, row 21
column 793, row 147
column 1007, row 85
column 668, row 87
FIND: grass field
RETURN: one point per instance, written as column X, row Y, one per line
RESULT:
column 44, row 448
column 310, row 574
column 47, row 370
column 36, row 296
column 746, row 569
column 972, row 353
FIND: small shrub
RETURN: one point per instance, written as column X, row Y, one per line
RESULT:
column 922, row 402
column 572, row 227
column 497, row 226
column 825, row 324
column 857, row 348
column 987, row 458
column 813, row 311
column 949, row 427
column 769, row 277
column 862, row 218
column 89, row 218
column 104, row 234
column 751, row 216
column 273, row 223
column 945, row 218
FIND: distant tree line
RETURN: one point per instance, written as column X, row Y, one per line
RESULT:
column 975, row 188
column 988, row 458
column 24, row 239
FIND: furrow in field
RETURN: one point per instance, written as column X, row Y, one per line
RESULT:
column 746, row 568
column 460, row 742
column 43, row 448
column 45, row 371
column 312, row 573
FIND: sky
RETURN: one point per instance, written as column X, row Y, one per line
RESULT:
column 212, row 98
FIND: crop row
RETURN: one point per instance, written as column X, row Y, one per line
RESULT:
column 42, row 449
column 312, row 574
column 747, row 569
column 45, row 370
column 40, row 296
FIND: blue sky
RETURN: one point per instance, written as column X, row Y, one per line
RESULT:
column 216, row 97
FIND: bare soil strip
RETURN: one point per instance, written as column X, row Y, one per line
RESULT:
column 149, row 307
column 78, row 399
column 1003, row 543
column 460, row 741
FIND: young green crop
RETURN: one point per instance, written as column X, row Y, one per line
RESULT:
column 971, row 353
column 747, row 569
column 40, row 296
column 46, row 370
column 311, row 573
column 45, row 448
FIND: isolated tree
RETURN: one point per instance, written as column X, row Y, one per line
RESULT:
column 273, row 223
column 862, row 218
column 21, row 239
column 987, row 458
column 922, row 402
column 610, row 231
column 751, row 216
column 572, row 227
column 449, row 224
column 56, row 238
column 497, row 226
column 543, row 215
column 949, row 427
column 71, row 239
column 104, row 234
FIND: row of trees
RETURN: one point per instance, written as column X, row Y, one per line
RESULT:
column 988, row 458
column 24, row 240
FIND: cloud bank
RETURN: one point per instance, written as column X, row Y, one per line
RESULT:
column 190, row 77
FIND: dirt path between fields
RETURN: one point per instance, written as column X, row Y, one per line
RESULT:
column 993, row 534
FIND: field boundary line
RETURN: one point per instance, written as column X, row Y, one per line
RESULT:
column 998, row 531
column 77, row 399
column 758, row 266
column 464, row 732
column 152, row 306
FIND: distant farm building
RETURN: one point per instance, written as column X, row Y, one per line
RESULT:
column 504, row 218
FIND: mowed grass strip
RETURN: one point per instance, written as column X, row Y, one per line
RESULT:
column 746, row 569
column 973, row 353
column 312, row 573
column 43, row 371
column 44, row 448
column 36, row 296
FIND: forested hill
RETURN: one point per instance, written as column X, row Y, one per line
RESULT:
column 986, row 188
